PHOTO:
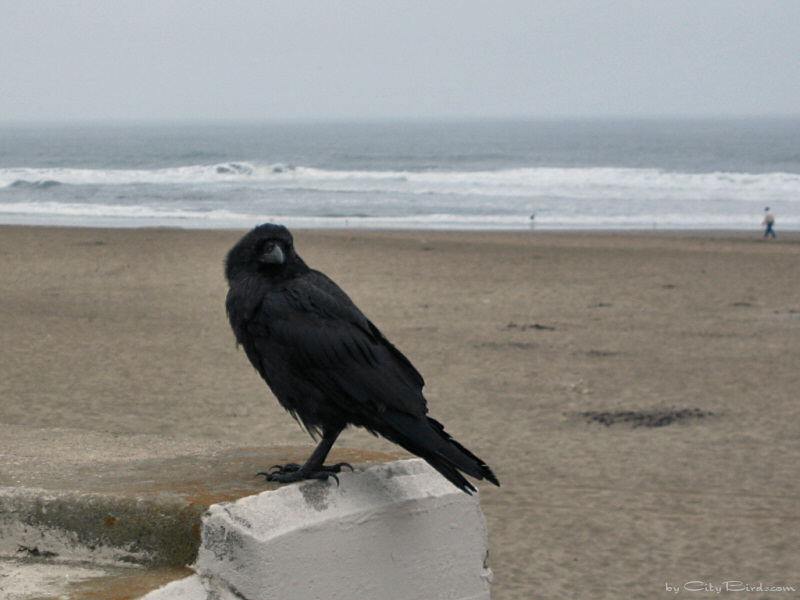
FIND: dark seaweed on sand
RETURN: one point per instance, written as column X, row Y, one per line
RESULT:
column 645, row 418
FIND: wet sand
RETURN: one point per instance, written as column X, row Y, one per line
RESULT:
column 517, row 335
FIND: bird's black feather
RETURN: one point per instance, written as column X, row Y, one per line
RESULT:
column 326, row 363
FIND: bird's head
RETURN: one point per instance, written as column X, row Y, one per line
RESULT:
column 269, row 250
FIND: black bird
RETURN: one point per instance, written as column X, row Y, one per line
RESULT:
column 327, row 364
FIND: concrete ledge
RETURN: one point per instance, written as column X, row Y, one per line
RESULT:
column 394, row 531
column 98, row 528
column 82, row 509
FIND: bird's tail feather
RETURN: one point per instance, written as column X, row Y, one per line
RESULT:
column 427, row 439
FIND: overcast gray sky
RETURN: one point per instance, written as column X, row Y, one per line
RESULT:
column 192, row 59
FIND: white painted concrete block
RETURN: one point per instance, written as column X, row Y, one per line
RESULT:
column 396, row 531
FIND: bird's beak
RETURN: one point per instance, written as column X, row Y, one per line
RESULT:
column 273, row 256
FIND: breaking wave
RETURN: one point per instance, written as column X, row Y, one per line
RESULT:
column 575, row 183
column 240, row 193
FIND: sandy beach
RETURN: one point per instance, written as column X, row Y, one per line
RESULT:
column 517, row 335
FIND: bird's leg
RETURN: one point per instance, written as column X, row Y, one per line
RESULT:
column 313, row 468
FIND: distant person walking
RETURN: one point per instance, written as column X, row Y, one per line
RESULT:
column 769, row 221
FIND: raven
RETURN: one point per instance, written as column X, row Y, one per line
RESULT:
column 327, row 364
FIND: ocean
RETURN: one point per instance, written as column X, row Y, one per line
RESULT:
column 488, row 175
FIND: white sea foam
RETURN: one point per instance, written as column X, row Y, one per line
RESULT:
column 577, row 183
column 236, row 193
column 138, row 215
column 177, row 175
column 77, row 209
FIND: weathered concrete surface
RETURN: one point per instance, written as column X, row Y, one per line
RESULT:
column 79, row 506
column 395, row 531
column 40, row 579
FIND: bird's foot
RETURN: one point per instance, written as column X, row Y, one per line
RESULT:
column 294, row 472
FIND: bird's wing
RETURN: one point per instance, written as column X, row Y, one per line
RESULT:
column 330, row 343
